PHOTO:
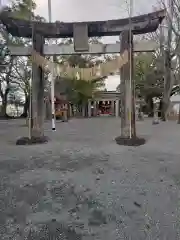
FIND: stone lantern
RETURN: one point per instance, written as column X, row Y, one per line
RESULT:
column 156, row 103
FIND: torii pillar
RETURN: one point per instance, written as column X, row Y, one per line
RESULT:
column 37, row 96
column 128, row 127
column 38, row 85
column 128, row 121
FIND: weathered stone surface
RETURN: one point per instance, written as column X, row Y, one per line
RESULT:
column 128, row 123
column 38, row 85
column 127, row 141
column 140, row 24
column 33, row 140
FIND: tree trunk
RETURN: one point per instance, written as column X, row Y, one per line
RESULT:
column 3, row 113
column 168, row 81
column 178, row 122
column 83, row 110
column 128, row 126
column 26, row 107
column 79, row 110
column 167, row 86
column 48, row 112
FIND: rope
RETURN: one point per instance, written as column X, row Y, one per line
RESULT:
column 87, row 74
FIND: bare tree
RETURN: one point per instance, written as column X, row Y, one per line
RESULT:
column 168, row 36
column 5, row 85
column 168, row 80
column 21, row 77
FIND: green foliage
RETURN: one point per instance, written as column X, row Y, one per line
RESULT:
column 148, row 76
column 78, row 91
column 24, row 9
column 84, row 90
column 4, row 51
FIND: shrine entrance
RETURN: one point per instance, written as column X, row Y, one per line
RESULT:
column 105, row 103
column 105, row 108
column 81, row 32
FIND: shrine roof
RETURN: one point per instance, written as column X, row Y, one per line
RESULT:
column 140, row 24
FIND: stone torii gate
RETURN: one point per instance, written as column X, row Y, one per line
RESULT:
column 80, row 31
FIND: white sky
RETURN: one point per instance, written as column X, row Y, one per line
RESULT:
column 85, row 10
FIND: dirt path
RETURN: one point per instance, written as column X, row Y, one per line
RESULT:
column 81, row 185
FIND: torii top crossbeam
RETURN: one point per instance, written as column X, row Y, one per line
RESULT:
column 140, row 24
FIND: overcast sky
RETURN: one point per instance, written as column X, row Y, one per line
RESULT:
column 85, row 10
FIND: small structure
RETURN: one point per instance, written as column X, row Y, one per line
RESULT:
column 174, row 107
column 156, row 103
column 105, row 102
column 61, row 107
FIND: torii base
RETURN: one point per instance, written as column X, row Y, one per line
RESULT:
column 32, row 141
column 127, row 141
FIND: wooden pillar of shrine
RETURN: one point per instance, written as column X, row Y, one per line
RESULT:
column 37, row 99
column 128, row 121
column 128, row 128
column 38, row 85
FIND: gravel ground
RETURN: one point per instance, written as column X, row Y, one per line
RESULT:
column 82, row 186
